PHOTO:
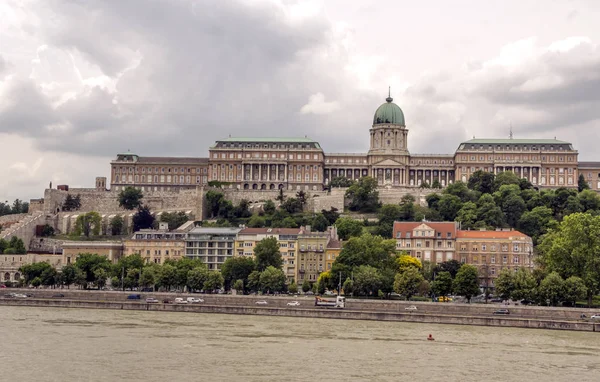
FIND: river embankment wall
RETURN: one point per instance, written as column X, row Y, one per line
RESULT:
column 456, row 314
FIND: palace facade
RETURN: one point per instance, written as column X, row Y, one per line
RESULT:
column 301, row 163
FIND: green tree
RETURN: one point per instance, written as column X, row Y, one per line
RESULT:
column 450, row 266
column 460, row 190
column 407, row 283
column 15, row 246
column 574, row 290
column 254, row 281
column 197, row 277
column 341, row 181
column 36, row 282
column 572, row 250
column 582, row 184
column 305, row 286
column 89, row 223
column 466, row 282
column 88, row 263
column 272, row 279
column 71, row 203
column 442, row 285
column 68, row 274
column 100, row 277
column 589, row 200
column 366, row 249
column 363, row 195
column 256, row 222
column 388, row 214
column 488, row 212
column 552, row 289
column 348, row 286
column 482, row 181
column 513, row 207
column 166, row 276
column 148, row 277
column 269, row 207
column 214, row 281
column 505, row 178
column 332, row 215
column 266, row 253
column 32, row 271
column 536, row 222
column 143, row 218
column 348, row 227
column 49, row 276
column 319, row 223
column 174, row 219
column 47, row 231
column 436, row 184
column 116, row 225
column 214, row 202
column 524, row 285
column 291, row 206
column 238, row 285
column 467, row 215
column 237, row 268
column 505, row 284
column 130, row 198
column 367, row 280
column 293, row 288
column 448, row 206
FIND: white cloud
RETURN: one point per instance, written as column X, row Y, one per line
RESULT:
column 317, row 105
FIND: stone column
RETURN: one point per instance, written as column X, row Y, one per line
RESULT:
column 251, row 172
column 277, row 172
column 260, row 172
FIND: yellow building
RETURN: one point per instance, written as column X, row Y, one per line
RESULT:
column 113, row 250
column 334, row 247
column 287, row 238
column 312, row 257
column 156, row 246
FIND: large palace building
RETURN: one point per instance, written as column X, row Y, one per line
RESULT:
column 301, row 163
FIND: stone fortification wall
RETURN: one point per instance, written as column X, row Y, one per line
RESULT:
column 7, row 220
column 394, row 195
column 316, row 200
column 108, row 201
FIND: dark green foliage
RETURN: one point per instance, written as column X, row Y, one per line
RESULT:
column 72, row 203
column 341, row 181
column 130, row 198
column 266, row 253
column 174, row 219
column 143, row 218
column 363, row 195
column 582, row 184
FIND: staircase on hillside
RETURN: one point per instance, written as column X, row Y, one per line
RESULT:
column 25, row 228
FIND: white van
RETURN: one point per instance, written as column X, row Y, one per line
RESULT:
column 180, row 300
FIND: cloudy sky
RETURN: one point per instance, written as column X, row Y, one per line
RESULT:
column 81, row 81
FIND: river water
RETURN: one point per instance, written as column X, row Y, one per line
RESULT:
column 54, row 344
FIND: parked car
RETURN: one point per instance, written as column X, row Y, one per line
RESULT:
column 180, row 300
column 20, row 295
column 134, row 297
column 166, row 301
column 495, row 299
column 194, row 300
column 58, row 295
column 444, row 299
column 412, row 307
column 501, row 311
column 595, row 317
column 151, row 300
column 293, row 303
column 261, row 302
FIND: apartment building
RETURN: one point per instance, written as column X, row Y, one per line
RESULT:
column 211, row 245
column 287, row 238
column 427, row 241
column 492, row 251
column 312, row 253
column 156, row 246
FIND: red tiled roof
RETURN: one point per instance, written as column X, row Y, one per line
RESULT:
column 272, row 231
column 463, row 234
column 334, row 244
column 442, row 227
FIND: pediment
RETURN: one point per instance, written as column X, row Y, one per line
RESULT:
column 388, row 162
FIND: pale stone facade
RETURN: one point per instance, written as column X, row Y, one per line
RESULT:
column 156, row 246
column 264, row 164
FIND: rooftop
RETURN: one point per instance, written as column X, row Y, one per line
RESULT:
column 462, row 234
column 508, row 141
column 589, row 164
column 436, row 226
column 268, row 139
column 216, row 230
column 270, row 231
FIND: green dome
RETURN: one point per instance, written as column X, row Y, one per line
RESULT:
column 389, row 113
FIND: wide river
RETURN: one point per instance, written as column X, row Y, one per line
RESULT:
column 57, row 344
